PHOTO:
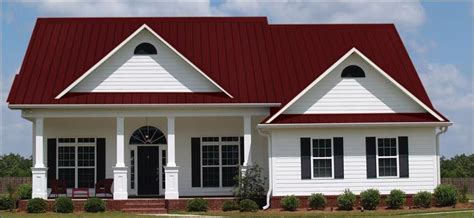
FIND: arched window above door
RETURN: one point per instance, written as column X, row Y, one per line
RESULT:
column 147, row 135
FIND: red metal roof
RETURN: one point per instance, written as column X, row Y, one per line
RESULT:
column 354, row 118
column 254, row 61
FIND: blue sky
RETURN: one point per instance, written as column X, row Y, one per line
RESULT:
column 438, row 36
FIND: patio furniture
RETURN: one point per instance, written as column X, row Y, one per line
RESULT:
column 80, row 192
column 58, row 187
column 104, row 186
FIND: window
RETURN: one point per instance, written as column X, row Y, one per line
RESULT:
column 76, row 163
column 322, row 158
column 387, row 157
column 163, row 164
column 132, row 169
column 145, row 49
column 147, row 135
column 353, row 71
column 220, row 161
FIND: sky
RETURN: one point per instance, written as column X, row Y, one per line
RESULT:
column 438, row 36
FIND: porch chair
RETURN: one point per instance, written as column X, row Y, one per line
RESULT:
column 58, row 187
column 104, row 186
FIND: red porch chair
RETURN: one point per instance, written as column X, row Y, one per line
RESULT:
column 104, row 186
column 58, row 187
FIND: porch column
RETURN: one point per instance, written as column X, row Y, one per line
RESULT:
column 171, row 170
column 39, row 170
column 247, row 142
column 120, row 170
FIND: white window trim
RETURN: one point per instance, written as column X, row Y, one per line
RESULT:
column 386, row 157
column 219, row 143
column 76, row 167
column 323, row 158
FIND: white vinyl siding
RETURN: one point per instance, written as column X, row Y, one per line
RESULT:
column 287, row 161
column 372, row 94
column 164, row 72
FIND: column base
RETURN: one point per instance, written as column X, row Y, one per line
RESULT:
column 171, row 179
column 243, row 170
column 120, row 183
column 39, row 182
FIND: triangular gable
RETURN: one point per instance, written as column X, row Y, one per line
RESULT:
column 169, row 71
column 307, row 108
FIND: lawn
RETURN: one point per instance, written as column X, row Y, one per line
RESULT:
column 4, row 214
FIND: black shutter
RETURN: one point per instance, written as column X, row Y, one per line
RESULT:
column 51, row 161
column 370, row 150
column 305, row 147
column 338, row 158
column 196, row 161
column 100, row 158
column 403, row 156
column 241, row 150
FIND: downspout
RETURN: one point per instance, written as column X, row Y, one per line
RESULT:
column 438, row 165
column 270, row 173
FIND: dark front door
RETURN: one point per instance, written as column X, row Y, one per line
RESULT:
column 148, row 170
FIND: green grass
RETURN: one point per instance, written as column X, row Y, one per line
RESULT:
column 5, row 214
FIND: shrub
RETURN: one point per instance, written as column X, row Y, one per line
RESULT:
column 36, row 205
column 445, row 195
column 463, row 194
column 370, row 198
column 422, row 199
column 248, row 205
column 396, row 199
column 94, row 205
column 290, row 203
column 6, row 203
column 230, row 205
column 251, row 185
column 63, row 205
column 24, row 191
column 346, row 200
column 317, row 201
column 197, row 205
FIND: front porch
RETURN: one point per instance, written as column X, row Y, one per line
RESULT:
column 149, row 155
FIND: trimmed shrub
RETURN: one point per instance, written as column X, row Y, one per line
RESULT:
column 445, row 195
column 24, row 191
column 94, row 205
column 197, row 205
column 463, row 194
column 6, row 203
column 396, row 199
column 346, row 200
column 422, row 199
column 290, row 203
column 36, row 205
column 230, row 205
column 370, row 198
column 63, row 205
column 248, row 205
column 317, row 201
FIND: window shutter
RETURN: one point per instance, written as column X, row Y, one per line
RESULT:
column 241, row 150
column 338, row 158
column 370, row 150
column 196, row 161
column 52, row 157
column 305, row 148
column 100, row 148
column 403, row 156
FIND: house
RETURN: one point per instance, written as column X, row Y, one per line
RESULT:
column 173, row 107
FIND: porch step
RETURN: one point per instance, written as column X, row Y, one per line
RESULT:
column 145, row 206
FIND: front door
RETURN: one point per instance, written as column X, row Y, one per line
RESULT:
column 148, row 170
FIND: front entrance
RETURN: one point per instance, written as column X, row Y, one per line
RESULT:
column 148, row 170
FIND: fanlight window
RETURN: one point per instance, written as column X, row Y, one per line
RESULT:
column 145, row 49
column 147, row 135
column 353, row 71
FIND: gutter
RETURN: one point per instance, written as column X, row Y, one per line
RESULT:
column 192, row 105
column 361, row 125
column 270, row 173
column 438, row 164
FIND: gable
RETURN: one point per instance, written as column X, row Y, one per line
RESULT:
column 165, row 72
column 370, row 94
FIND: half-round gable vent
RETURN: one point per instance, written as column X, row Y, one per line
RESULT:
column 145, row 49
column 352, row 71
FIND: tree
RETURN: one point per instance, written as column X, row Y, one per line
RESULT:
column 15, row 165
column 459, row 166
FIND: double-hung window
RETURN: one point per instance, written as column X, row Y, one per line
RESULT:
column 387, row 157
column 322, row 158
column 220, row 161
column 77, row 162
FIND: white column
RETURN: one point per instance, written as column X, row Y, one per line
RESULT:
column 247, row 143
column 39, row 171
column 120, row 170
column 171, row 170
